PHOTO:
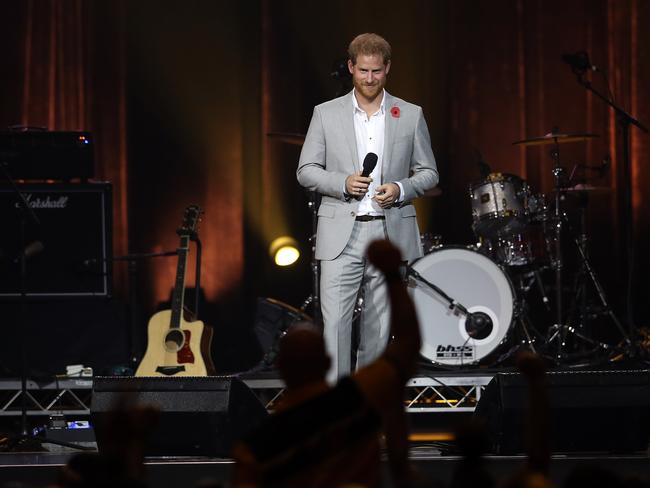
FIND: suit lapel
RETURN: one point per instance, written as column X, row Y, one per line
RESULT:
column 390, row 130
column 347, row 122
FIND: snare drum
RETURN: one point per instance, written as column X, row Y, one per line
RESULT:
column 531, row 246
column 499, row 205
column 474, row 281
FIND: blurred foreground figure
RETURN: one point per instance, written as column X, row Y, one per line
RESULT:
column 120, row 464
column 324, row 436
column 538, row 448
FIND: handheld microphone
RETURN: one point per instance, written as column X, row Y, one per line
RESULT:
column 369, row 163
column 579, row 62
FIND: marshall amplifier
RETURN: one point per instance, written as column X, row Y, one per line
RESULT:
column 69, row 252
column 47, row 155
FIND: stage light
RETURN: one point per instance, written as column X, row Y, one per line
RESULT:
column 284, row 251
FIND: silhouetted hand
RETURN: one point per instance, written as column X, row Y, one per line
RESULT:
column 385, row 256
column 530, row 365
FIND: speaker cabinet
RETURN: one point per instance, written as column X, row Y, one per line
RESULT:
column 590, row 411
column 75, row 232
column 199, row 416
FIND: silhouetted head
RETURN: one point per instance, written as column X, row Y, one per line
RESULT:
column 302, row 358
column 592, row 476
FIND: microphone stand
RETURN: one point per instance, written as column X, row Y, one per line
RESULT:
column 477, row 321
column 625, row 120
column 25, row 440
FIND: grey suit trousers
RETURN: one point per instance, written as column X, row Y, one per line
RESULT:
column 340, row 282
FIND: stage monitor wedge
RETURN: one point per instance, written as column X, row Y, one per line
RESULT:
column 590, row 411
column 199, row 416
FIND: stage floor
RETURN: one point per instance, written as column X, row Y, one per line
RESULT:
column 436, row 401
column 41, row 469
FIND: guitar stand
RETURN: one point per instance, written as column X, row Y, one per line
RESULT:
column 132, row 260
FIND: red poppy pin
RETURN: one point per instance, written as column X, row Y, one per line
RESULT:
column 395, row 112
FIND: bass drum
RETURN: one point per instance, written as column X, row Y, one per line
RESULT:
column 474, row 281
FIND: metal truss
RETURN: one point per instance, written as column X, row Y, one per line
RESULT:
column 444, row 393
column 59, row 397
column 435, row 394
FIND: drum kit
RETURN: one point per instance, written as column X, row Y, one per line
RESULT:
column 474, row 302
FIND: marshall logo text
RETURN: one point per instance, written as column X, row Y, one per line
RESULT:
column 59, row 201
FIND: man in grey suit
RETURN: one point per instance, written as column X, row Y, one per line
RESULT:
column 357, row 209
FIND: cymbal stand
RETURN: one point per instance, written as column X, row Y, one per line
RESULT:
column 558, row 330
column 314, row 298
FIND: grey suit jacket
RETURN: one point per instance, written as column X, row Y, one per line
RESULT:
column 329, row 155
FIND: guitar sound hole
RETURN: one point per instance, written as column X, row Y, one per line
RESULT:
column 174, row 340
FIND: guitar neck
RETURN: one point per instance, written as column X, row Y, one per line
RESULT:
column 178, row 297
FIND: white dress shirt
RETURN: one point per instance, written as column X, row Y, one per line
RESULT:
column 369, row 133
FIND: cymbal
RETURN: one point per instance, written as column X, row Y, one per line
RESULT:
column 585, row 188
column 555, row 138
column 288, row 137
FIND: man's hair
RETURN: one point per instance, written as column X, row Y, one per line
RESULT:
column 369, row 44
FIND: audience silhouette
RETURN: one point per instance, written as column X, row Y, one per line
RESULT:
column 324, row 436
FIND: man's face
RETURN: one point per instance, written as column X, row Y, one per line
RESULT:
column 369, row 75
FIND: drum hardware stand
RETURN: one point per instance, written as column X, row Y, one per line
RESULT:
column 587, row 270
column 314, row 298
column 522, row 318
column 524, row 284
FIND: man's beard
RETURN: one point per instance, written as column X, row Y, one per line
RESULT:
column 369, row 91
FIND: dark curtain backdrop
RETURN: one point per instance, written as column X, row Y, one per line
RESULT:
column 181, row 97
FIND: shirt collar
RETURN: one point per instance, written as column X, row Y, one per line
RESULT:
column 356, row 106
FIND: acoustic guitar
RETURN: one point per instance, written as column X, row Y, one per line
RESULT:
column 177, row 346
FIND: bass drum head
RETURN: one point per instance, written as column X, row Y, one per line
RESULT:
column 472, row 280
